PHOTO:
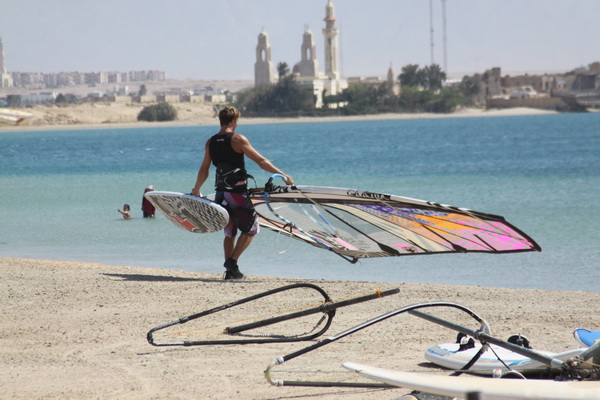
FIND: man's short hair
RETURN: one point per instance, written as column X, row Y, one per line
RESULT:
column 228, row 114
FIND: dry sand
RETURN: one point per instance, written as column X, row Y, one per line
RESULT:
column 78, row 331
column 97, row 115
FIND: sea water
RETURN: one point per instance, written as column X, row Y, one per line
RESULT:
column 60, row 191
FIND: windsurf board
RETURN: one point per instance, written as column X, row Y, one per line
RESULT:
column 449, row 355
column 586, row 337
column 192, row 213
column 13, row 117
column 488, row 388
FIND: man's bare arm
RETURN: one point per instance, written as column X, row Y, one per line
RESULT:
column 241, row 144
column 203, row 172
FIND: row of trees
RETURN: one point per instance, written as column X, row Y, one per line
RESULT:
column 287, row 96
column 422, row 90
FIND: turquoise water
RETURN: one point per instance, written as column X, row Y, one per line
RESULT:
column 61, row 190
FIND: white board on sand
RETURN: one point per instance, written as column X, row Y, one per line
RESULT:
column 488, row 388
column 449, row 355
column 13, row 117
column 192, row 213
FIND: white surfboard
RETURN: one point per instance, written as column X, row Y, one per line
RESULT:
column 192, row 213
column 449, row 355
column 488, row 388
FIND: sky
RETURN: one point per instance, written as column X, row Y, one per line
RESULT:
column 216, row 39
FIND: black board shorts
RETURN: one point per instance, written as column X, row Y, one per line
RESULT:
column 242, row 215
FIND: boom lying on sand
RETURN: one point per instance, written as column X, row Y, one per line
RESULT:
column 327, row 308
column 280, row 360
column 576, row 367
column 358, row 224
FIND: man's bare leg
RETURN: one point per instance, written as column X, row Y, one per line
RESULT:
column 241, row 245
column 228, row 246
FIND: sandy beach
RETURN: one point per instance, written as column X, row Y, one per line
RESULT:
column 78, row 331
column 111, row 115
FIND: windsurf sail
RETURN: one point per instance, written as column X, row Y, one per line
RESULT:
column 360, row 224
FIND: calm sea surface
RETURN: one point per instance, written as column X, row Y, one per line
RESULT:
column 60, row 190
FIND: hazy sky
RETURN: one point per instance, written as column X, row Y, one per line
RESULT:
column 216, row 39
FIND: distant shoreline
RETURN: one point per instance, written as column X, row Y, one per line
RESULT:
column 117, row 115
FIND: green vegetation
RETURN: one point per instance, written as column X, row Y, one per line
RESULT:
column 422, row 90
column 469, row 87
column 13, row 100
column 283, row 98
column 158, row 112
column 60, row 100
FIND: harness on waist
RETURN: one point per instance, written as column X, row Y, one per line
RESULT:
column 231, row 179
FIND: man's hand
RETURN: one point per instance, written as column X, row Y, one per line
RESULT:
column 288, row 179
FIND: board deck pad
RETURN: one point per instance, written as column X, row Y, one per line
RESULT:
column 192, row 213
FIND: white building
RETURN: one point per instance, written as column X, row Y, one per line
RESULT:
column 32, row 99
column 306, row 70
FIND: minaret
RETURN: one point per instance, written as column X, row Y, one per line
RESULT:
column 263, row 67
column 392, row 82
column 5, row 78
column 330, row 33
column 308, row 66
column 391, row 75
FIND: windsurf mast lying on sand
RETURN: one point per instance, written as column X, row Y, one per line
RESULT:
column 327, row 308
column 357, row 224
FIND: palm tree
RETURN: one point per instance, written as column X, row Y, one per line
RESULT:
column 411, row 76
column 283, row 70
column 434, row 77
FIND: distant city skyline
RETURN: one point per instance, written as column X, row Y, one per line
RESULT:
column 216, row 39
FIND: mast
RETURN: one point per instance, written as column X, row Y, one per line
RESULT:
column 445, row 46
column 431, row 29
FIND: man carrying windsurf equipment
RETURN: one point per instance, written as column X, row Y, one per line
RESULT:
column 226, row 151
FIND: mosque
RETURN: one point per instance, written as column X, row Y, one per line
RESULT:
column 306, row 70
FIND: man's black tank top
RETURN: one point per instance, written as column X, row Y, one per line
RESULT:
column 231, row 172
